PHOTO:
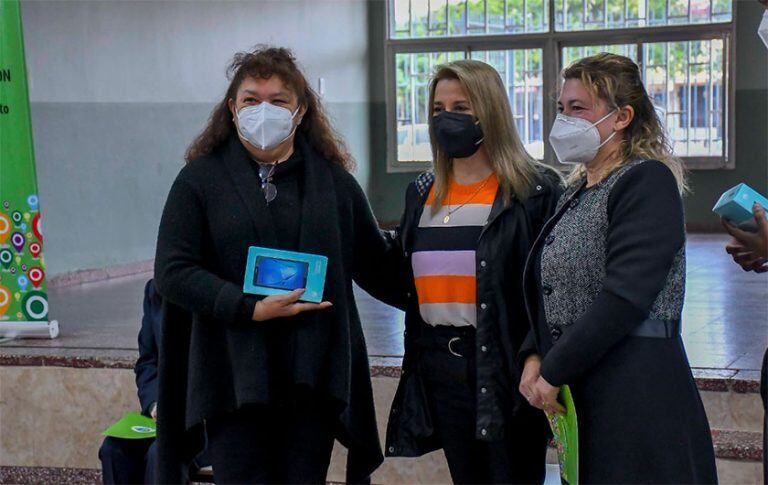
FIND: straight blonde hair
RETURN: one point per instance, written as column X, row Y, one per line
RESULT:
column 515, row 169
column 617, row 80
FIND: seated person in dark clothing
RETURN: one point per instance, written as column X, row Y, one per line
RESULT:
column 134, row 461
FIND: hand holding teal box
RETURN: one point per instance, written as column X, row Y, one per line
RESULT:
column 277, row 272
column 735, row 205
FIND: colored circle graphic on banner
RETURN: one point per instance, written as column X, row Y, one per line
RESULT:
column 5, row 300
column 33, row 202
column 23, row 282
column 6, row 258
column 17, row 217
column 17, row 241
column 36, row 276
column 35, row 305
column 37, row 227
column 35, row 249
column 5, row 228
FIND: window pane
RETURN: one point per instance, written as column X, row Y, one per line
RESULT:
column 687, row 80
column 521, row 72
column 413, row 72
column 613, row 14
column 571, row 54
column 438, row 18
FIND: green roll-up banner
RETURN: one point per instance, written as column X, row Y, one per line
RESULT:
column 23, row 298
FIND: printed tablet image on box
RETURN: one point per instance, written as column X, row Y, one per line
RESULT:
column 276, row 272
column 280, row 274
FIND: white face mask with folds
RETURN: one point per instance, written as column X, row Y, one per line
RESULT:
column 576, row 140
column 265, row 126
column 762, row 31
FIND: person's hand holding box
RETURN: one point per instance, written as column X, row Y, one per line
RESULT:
column 750, row 249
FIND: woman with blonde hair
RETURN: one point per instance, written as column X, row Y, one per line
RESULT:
column 465, row 233
column 605, row 286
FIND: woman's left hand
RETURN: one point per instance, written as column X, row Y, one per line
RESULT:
column 548, row 394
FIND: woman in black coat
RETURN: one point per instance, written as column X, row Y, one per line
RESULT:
column 274, row 380
column 605, row 286
column 464, row 236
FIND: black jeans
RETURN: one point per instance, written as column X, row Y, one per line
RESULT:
column 128, row 461
column 290, row 443
column 449, row 381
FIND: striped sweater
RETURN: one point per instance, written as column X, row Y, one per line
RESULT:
column 444, row 253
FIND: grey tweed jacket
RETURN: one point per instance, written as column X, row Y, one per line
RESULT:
column 573, row 263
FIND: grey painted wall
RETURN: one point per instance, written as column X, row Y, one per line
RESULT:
column 388, row 189
column 119, row 89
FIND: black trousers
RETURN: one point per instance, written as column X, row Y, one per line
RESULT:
column 290, row 443
column 128, row 461
column 449, row 382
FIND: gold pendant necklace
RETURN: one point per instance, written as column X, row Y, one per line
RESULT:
column 447, row 217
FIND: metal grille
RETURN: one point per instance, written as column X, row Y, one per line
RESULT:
column 414, row 19
column 682, row 46
column 413, row 73
column 522, row 74
column 686, row 80
column 571, row 54
column 573, row 15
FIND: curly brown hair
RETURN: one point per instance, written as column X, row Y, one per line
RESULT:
column 265, row 62
column 617, row 80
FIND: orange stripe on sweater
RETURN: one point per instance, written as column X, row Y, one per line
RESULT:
column 460, row 194
column 446, row 289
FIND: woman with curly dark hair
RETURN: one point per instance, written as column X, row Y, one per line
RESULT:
column 274, row 380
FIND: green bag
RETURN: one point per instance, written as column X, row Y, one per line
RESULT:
column 132, row 426
column 566, row 436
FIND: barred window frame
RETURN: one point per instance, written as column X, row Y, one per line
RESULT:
column 552, row 44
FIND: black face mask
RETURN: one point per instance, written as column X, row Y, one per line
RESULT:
column 459, row 135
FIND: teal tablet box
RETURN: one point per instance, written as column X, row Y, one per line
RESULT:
column 277, row 272
column 735, row 205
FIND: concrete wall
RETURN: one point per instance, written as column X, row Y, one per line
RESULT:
column 119, row 89
column 751, row 130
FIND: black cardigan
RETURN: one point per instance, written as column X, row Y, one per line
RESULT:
column 215, row 211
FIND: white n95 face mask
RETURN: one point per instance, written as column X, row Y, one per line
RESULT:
column 265, row 125
column 576, row 140
column 762, row 31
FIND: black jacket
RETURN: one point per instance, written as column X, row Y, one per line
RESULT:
column 213, row 358
column 502, row 323
column 149, row 340
column 639, row 413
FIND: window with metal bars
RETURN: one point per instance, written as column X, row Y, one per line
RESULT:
column 683, row 48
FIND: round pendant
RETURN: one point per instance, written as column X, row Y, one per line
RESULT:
column 446, row 219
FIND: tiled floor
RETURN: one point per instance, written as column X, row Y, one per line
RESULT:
column 725, row 322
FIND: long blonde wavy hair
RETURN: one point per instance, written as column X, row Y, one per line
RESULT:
column 617, row 80
column 515, row 169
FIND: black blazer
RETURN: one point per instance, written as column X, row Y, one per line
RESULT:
column 213, row 357
column 149, row 344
